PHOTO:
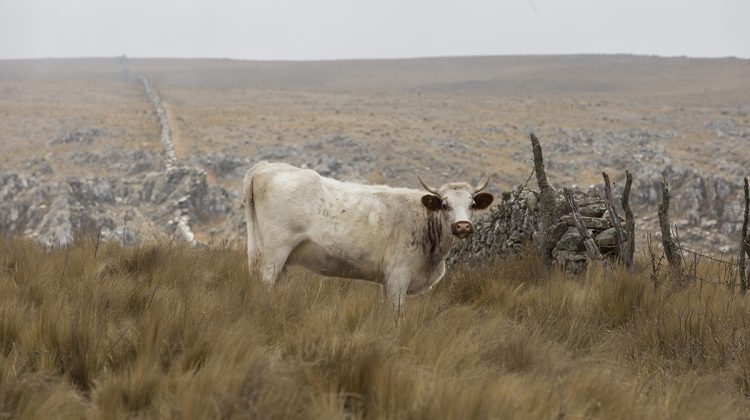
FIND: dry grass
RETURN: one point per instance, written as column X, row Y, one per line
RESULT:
column 163, row 331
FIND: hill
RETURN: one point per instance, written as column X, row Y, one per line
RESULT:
column 87, row 122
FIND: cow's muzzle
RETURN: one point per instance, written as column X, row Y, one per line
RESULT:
column 462, row 229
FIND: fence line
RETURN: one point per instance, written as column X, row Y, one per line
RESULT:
column 689, row 268
column 705, row 256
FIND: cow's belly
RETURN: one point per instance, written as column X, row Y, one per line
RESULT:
column 334, row 263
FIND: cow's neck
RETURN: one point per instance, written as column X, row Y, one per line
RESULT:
column 436, row 239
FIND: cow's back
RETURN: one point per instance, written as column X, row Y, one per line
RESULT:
column 331, row 227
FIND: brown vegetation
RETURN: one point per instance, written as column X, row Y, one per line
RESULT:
column 163, row 331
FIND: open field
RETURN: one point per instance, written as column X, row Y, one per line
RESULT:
column 88, row 121
column 405, row 111
column 164, row 331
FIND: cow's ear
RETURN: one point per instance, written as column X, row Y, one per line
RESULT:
column 432, row 202
column 482, row 200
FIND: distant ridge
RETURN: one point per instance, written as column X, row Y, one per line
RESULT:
column 500, row 75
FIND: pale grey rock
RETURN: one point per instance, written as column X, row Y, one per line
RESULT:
column 81, row 136
column 593, row 210
column 606, row 238
column 589, row 222
column 570, row 241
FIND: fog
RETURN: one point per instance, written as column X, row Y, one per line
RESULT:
column 333, row 29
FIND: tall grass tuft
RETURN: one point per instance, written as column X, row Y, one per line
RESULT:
column 165, row 331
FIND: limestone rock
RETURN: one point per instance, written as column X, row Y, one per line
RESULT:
column 570, row 241
column 82, row 136
column 606, row 238
column 590, row 222
column 595, row 209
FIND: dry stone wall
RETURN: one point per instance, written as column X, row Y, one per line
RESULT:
column 514, row 221
column 181, row 218
column 145, row 197
column 170, row 157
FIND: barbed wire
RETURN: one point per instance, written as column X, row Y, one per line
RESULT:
column 730, row 273
column 702, row 255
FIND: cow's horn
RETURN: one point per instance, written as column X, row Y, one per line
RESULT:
column 483, row 185
column 427, row 187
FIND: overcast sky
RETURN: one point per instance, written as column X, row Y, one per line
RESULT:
column 329, row 29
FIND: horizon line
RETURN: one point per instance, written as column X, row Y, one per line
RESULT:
column 426, row 57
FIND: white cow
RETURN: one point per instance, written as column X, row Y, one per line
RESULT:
column 396, row 237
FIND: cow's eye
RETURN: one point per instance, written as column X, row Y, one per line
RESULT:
column 473, row 204
column 446, row 206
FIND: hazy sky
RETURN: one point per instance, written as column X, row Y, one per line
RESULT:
column 326, row 29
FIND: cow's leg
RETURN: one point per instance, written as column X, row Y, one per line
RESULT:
column 269, row 273
column 272, row 264
column 270, row 269
column 253, row 254
column 395, row 288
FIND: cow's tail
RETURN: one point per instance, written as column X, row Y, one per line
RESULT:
column 251, row 220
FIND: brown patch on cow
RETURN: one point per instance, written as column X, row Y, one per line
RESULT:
column 432, row 236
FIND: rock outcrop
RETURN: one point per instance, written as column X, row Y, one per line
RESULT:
column 128, row 209
column 82, row 136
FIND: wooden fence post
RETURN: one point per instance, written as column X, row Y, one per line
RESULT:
column 546, row 205
column 613, row 216
column 744, row 239
column 628, row 255
column 591, row 249
column 670, row 248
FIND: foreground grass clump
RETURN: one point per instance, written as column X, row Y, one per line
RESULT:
column 163, row 331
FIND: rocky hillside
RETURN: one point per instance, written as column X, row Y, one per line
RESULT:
column 89, row 147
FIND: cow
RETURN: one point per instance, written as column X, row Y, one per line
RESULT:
column 396, row 237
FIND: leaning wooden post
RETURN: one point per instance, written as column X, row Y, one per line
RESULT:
column 628, row 255
column 591, row 249
column 670, row 248
column 744, row 246
column 546, row 204
column 613, row 216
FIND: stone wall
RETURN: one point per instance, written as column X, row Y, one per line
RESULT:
column 514, row 222
column 145, row 197
column 170, row 157
column 182, row 216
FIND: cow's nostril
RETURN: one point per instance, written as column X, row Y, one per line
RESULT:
column 462, row 227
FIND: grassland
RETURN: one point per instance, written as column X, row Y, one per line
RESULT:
column 163, row 331
column 448, row 118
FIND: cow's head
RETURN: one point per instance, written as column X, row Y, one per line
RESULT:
column 456, row 203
